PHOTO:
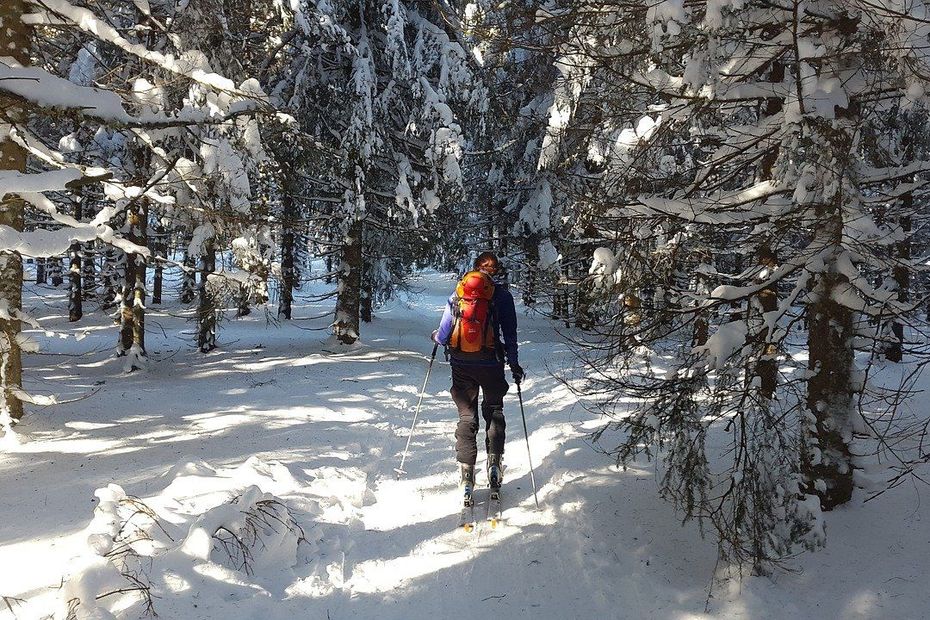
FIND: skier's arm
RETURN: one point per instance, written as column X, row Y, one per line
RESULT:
column 445, row 324
column 507, row 317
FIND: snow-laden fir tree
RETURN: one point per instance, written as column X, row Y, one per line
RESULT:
column 375, row 84
column 109, row 115
column 235, row 39
column 737, row 207
column 16, row 41
column 509, row 170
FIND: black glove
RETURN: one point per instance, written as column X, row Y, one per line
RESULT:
column 517, row 372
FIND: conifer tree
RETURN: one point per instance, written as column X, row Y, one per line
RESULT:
column 15, row 40
column 737, row 201
column 386, row 144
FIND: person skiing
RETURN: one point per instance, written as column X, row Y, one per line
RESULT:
column 478, row 313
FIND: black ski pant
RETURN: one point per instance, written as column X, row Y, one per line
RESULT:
column 466, row 382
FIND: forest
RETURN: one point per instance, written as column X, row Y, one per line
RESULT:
column 228, row 228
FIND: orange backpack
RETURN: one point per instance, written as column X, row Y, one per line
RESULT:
column 473, row 329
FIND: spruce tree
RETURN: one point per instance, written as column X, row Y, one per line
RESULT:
column 737, row 200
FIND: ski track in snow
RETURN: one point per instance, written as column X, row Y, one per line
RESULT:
column 322, row 430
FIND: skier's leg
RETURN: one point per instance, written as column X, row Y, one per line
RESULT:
column 465, row 396
column 494, row 386
column 494, row 424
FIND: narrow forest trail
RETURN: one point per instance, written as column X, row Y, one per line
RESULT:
column 323, row 431
column 561, row 561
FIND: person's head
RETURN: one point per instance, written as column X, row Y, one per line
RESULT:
column 488, row 263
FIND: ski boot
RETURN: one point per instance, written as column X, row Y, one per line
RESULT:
column 468, row 481
column 495, row 472
column 495, row 478
column 467, row 484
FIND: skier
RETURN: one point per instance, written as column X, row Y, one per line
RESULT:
column 479, row 311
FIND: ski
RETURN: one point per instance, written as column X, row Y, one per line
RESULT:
column 467, row 520
column 494, row 508
column 495, row 477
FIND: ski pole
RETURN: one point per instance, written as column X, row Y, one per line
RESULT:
column 526, row 434
column 400, row 470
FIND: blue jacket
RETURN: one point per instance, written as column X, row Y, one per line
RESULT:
column 505, row 317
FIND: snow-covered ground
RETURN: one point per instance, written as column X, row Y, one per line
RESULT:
column 303, row 440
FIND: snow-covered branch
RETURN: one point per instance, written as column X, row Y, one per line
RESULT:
column 52, row 93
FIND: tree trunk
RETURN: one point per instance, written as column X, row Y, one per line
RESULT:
column 501, row 235
column 55, row 272
column 287, row 255
column 206, row 308
column 894, row 352
column 560, row 298
column 346, row 325
column 702, row 283
column 188, row 280
column 584, row 296
column 826, row 459
column 701, row 321
column 366, row 302
column 15, row 40
column 132, row 300
column 110, row 275
column 75, row 306
column 767, row 366
column 529, row 272
column 160, row 249
column 243, row 300
column 158, row 281
column 329, row 257
column 41, row 274
column 88, row 272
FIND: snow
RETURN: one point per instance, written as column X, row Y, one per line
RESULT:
column 574, row 75
column 602, row 262
column 50, row 91
column 83, row 70
column 55, row 242
column 13, row 182
column 535, row 214
column 276, row 418
column 665, row 10
column 605, row 270
column 714, row 14
column 199, row 238
column 548, row 255
column 143, row 6
column 720, row 208
column 722, row 344
column 146, row 93
column 41, row 242
column 191, row 65
column 220, row 158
